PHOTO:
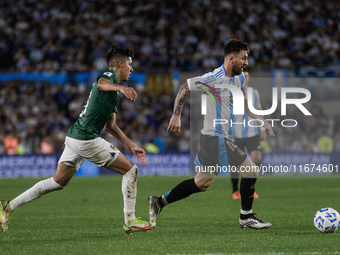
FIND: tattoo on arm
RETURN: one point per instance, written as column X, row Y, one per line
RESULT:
column 182, row 95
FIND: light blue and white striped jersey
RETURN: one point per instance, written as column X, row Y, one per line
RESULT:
column 221, row 105
column 246, row 131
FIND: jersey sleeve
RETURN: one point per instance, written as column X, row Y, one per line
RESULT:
column 112, row 76
column 200, row 83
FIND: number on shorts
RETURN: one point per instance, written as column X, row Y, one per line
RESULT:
column 232, row 146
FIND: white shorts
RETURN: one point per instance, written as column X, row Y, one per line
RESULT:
column 98, row 151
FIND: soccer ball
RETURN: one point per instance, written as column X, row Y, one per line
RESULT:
column 327, row 220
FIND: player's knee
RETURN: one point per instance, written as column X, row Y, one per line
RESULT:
column 133, row 172
column 254, row 175
column 257, row 160
column 256, row 157
column 203, row 186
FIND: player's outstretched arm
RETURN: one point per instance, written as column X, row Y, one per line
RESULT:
column 114, row 130
column 175, row 121
column 106, row 85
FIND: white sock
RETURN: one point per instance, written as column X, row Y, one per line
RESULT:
column 129, row 190
column 246, row 211
column 38, row 190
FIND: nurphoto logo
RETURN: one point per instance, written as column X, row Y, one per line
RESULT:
column 223, row 85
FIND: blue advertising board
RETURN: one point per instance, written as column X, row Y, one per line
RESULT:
column 169, row 164
column 45, row 165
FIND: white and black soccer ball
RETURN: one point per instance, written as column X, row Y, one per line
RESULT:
column 327, row 220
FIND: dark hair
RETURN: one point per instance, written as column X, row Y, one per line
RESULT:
column 235, row 46
column 116, row 52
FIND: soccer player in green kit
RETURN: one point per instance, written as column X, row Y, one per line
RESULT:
column 83, row 142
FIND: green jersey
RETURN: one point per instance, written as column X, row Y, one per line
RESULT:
column 97, row 110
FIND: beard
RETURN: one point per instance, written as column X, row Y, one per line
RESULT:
column 237, row 70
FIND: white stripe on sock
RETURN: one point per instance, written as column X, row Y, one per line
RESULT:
column 246, row 211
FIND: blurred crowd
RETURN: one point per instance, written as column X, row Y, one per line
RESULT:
column 318, row 133
column 66, row 36
column 189, row 35
column 35, row 117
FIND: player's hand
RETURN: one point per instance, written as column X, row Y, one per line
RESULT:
column 263, row 135
column 129, row 92
column 140, row 155
column 175, row 124
column 269, row 128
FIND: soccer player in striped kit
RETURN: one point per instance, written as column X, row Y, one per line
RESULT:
column 217, row 147
column 246, row 136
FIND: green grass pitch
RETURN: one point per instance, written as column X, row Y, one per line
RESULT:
column 87, row 218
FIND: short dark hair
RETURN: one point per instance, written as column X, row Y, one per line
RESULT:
column 116, row 52
column 235, row 46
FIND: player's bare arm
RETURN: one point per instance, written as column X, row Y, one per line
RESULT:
column 175, row 121
column 106, row 85
column 262, row 130
column 114, row 130
column 255, row 116
column 263, row 134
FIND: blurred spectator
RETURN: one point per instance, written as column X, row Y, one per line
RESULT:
column 11, row 144
column 325, row 143
column 151, row 148
column 337, row 142
column 160, row 140
column 46, row 146
column 311, row 147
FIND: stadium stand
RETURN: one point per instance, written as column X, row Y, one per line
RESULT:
column 59, row 36
column 73, row 37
